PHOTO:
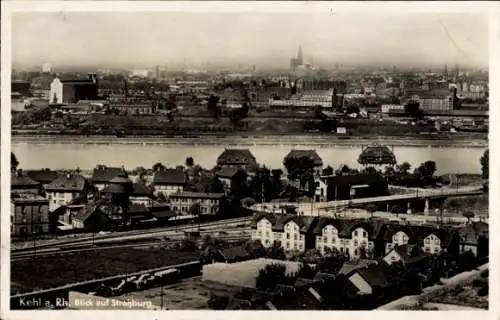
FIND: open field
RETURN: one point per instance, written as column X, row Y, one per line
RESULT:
column 475, row 204
column 186, row 295
column 52, row 271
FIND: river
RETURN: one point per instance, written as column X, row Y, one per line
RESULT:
column 87, row 153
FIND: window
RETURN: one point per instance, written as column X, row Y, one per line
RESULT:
column 436, row 250
column 301, row 237
column 288, row 245
column 259, row 233
column 436, row 241
column 334, row 240
column 295, row 237
column 393, row 258
column 355, row 243
column 287, row 235
column 356, row 233
column 427, row 249
column 341, row 249
column 389, row 246
column 364, row 234
column 295, row 246
column 355, row 252
column 325, row 239
column 427, row 241
column 301, row 247
column 267, row 242
column 267, row 233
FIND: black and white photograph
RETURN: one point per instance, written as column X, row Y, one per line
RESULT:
column 316, row 159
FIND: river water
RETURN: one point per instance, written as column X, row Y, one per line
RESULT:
column 86, row 155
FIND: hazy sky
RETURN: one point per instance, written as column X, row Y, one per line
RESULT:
column 263, row 39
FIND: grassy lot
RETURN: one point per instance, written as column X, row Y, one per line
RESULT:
column 469, row 203
column 53, row 271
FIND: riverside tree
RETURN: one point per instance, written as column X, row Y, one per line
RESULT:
column 485, row 164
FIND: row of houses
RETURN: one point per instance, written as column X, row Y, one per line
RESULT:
column 60, row 189
column 359, row 237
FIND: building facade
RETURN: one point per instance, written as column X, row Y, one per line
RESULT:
column 72, row 90
column 29, row 215
column 209, row 203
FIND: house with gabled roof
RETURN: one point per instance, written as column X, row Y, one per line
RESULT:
column 474, row 237
column 21, row 183
column 91, row 218
column 370, row 280
column 169, row 181
column 408, row 254
column 347, row 236
column 65, row 189
column 238, row 158
column 310, row 154
column 294, row 232
column 262, row 229
column 44, row 176
column 141, row 194
column 102, row 175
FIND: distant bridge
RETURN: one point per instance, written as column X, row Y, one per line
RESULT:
column 314, row 208
column 419, row 194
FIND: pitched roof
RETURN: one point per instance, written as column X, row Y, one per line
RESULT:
column 170, row 177
column 103, row 174
column 86, row 212
column 375, row 276
column 197, row 195
column 227, row 172
column 236, row 157
column 346, row 227
column 311, row 154
column 263, row 215
column 20, row 180
column 43, row 176
column 348, row 267
column 377, row 154
column 140, row 189
column 68, row 182
column 305, row 223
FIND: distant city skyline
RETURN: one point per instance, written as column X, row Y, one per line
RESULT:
column 267, row 40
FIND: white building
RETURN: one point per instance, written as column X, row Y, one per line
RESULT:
column 65, row 189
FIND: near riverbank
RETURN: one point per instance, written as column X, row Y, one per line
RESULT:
column 258, row 139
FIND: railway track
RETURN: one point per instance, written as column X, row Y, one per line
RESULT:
column 137, row 234
column 234, row 236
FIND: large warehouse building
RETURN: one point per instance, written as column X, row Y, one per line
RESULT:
column 73, row 90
